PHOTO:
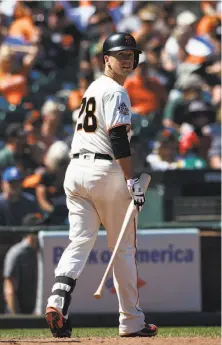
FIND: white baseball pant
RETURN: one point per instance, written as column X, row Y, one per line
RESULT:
column 96, row 193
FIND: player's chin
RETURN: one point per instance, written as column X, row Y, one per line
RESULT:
column 126, row 70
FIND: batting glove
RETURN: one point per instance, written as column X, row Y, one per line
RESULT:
column 136, row 192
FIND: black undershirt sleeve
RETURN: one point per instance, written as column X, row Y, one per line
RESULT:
column 119, row 142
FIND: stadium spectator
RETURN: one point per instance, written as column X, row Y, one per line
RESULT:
column 148, row 98
column 32, row 128
column 14, row 203
column 173, row 53
column 187, row 19
column 13, row 84
column 147, row 15
column 3, row 27
column 49, row 190
column 15, row 65
column 208, row 7
column 214, row 153
column 146, row 93
column 14, row 146
column 79, row 12
column 24, row 29
column 96, row 60
column 75, row 96
column 172, row 152
column 192, row 148
column 190, row 106
column 198, row 52
column 16, row 150
column 20, row 275
column 100, row 25
column 60, row 41
column 165, row 152
column 51, row 129
column 156, row 70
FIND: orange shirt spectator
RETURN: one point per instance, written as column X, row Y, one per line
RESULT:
column 146, row 95
column 13, row 87
column 206, row 25
column 113, row 4
column 74, row 100
column 75, row 96
column 25, row 29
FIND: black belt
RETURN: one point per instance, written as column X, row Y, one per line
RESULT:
column 97, row 156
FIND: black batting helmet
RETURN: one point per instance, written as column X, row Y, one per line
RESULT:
column 121, row 41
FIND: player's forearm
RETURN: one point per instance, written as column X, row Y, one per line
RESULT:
column 42, row 199
column 46, row 206
column 215, row 162
column 12, row 303
column 10, row 296
column 126, row 165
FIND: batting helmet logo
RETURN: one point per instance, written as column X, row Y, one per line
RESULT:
column 128, row 40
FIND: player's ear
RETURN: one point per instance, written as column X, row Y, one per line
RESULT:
column 107, row 62
column 106, row 58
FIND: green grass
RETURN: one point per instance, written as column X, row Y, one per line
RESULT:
column 113, row 332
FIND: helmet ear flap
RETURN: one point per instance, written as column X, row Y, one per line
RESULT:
column 136, row 59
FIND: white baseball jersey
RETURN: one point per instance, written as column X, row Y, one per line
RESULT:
column 105, row 105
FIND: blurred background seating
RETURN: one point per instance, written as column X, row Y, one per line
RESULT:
column 51, row 50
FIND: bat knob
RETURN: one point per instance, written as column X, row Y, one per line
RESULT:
column 97, row 296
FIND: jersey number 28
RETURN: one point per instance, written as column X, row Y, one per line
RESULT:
column 89, row 121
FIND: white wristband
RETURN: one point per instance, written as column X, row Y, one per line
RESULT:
column 131, row 181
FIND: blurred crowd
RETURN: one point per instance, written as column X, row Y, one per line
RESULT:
column 50, row 51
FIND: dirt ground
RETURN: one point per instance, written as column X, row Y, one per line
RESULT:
column 113, row 341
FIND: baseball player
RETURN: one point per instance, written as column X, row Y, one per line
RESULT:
column 99, row 185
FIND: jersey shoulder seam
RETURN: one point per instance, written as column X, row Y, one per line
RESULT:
column 113, row 93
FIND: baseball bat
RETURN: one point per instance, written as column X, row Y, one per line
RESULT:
column 130, row 214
